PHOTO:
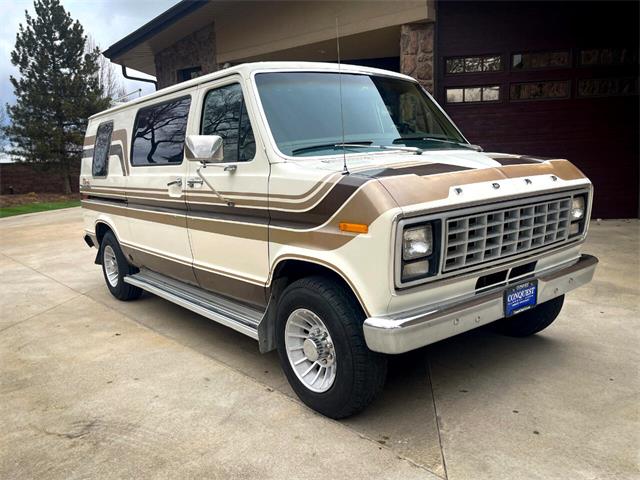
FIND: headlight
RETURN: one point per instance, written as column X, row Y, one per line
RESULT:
column 577, row 208
column 417, row 257
column 417, row 242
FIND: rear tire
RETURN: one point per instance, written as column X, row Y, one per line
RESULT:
column 531, row 321
column 319, row 326
column 115, row 267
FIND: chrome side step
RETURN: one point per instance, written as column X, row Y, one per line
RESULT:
column 234, row 315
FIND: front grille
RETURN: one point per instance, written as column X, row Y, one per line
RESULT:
column 495, row 234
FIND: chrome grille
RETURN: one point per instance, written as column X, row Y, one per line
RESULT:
column 488, row 236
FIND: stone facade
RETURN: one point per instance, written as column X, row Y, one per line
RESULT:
column 195, row 50
column 416, row 52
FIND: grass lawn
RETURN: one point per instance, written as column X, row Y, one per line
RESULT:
column 10, row 211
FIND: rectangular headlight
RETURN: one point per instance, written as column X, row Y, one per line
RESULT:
column 417, row 256
column 417, row 242
column 577, row 208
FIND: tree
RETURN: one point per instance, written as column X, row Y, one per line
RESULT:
column 57, row 91
column 3, row 132
column 108, row 78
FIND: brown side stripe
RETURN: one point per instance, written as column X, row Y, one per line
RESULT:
column 324, row 210
column 244, row 291
column 309, row 219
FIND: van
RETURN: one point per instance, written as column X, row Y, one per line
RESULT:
column 332, row 212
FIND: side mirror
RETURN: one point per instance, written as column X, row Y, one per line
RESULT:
column 204, row 148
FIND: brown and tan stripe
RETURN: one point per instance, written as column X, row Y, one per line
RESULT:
column 242, row 289
column 355, row 198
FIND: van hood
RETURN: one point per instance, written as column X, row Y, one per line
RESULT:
column 448, row 178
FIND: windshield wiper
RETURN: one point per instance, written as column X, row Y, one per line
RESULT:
column 477, row 148
column 324, row 146
column 415, row 150
column 367, row 144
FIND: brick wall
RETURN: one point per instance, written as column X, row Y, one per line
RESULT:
column 195, row 50
column 25, row 178
column 416, row 52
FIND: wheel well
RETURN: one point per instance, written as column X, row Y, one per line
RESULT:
column 285, row 273
column 101, row 231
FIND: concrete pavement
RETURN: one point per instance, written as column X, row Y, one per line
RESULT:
column 94, row 387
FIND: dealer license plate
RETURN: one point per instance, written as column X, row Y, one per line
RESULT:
column 520, row 297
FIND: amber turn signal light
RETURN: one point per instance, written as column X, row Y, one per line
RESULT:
column 354, row 227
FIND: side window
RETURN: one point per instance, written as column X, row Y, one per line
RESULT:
column 100, row 165
column 225, row 114
column 158, row 134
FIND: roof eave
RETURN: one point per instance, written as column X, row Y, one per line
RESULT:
column 162, row 21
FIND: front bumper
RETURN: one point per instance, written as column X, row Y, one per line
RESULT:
column 414, row 329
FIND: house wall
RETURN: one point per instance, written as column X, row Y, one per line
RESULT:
column 416, row 52
column 195, row 50
column 362, row 27
column 250, row 29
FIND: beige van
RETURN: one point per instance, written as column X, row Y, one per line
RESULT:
column 334, row 213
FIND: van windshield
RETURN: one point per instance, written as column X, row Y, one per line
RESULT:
column 304, row 114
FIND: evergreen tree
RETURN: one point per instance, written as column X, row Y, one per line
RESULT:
column 57, row 91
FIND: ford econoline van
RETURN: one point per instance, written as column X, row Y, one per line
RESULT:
column 332, row 212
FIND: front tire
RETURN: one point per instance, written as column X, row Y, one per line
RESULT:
column 531, row 321
column 115, row 267
column 322, row 348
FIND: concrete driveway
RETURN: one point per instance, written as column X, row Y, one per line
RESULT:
column 94, row 387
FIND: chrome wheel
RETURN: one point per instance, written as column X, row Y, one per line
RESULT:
column 110, row 265
column 310, row 350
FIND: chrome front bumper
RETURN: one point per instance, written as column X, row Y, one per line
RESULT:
column 414, row 329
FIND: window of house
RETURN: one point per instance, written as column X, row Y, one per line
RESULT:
column 593, row 57
column 487, row 93
column 484, row 63
column 606, row 87
column 100, row 165
column 550, row 90
column 536, row 60
column 158, row 133
column 189, row 73
column 225, row 114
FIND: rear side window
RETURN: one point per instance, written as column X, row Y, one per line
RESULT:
column 225, row 114
column 158, row 134
column 100, row 165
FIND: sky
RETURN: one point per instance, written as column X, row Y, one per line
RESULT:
column 107, row 21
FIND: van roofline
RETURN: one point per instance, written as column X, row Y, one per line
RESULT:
column 245, row 70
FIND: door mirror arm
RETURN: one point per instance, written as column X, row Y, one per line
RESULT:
column 206, row 182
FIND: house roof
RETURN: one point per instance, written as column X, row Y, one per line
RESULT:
column 136, row 49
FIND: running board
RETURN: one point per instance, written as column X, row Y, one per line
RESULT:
column 231, row 314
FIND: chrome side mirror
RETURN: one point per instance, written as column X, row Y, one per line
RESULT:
column 204, row 148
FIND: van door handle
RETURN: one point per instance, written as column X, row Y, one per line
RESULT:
column 177, row 181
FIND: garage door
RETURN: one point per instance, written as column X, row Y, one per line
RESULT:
column 548, row 79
